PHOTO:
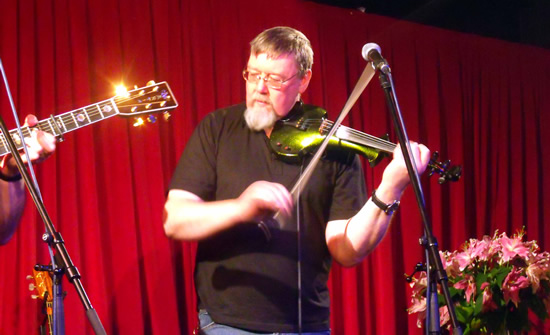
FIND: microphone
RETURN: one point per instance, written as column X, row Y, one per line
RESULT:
column 372, row 53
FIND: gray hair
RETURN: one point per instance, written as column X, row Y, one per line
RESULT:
column 280, row 40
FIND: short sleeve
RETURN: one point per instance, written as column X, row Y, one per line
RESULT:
column 196, row 170
column 349, row 192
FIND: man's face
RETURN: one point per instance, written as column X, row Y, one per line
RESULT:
column 269, row 103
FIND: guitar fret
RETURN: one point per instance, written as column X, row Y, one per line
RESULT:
column 87, row 116
column 100, row 112
column 60, row 123
column 52, row 128
column 115, row 107
column 93, row 116
column 42, row 126
column 16, row 139
column 4, row 144
column 75, row 122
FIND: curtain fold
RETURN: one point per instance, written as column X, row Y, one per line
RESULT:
column 483, row 103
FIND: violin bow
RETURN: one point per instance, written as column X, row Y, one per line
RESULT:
column 362, row 83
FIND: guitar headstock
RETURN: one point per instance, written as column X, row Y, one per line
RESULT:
column 42, row 285
column 153, row 98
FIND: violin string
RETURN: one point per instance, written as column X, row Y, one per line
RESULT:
column 389, row 146
column 376, row 141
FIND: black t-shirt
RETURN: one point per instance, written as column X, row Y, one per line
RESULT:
column 242, row 279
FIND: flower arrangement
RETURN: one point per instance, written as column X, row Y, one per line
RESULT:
column 495, row 283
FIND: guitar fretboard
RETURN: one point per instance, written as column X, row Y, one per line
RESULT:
column 64, row 123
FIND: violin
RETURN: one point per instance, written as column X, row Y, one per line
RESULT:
column 298, row 135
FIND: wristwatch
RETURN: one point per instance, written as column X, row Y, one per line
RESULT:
column 387, row 208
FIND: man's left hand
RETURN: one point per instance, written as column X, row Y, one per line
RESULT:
column 40, row 146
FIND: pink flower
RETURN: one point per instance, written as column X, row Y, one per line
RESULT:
column 485, row 261
column 443, row 315
column 511, row 286
column 464, row 260
column 419, row 285
column 418, row 300
column 512, row 247
column 450, row 263
column 468, row 284
column 488, row 302
column 419, row 306
column 538, row 269
column 480, row 249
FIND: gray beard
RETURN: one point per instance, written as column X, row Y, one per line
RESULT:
column 260, row 120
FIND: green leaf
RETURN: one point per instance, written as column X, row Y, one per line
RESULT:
column 480, row 279
column 478, row 304
column 500, row 274
column 464, row 314
column 456, row 294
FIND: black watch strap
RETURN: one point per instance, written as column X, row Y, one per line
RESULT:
column 387, row 208
column 10, row 179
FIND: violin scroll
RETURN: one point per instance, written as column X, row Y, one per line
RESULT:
column 445, row 170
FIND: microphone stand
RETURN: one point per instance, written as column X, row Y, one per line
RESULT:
column 54, row 239
column 434, row 268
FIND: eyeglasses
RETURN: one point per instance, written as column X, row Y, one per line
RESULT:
column 255, row 77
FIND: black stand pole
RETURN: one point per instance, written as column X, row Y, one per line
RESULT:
column 54, row 239
column 430, row 243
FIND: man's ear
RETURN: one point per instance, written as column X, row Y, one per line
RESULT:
column 305, row 81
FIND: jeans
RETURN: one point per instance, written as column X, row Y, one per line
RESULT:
column 209, row 327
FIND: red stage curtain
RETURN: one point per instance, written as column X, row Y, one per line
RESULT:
column 481, row 102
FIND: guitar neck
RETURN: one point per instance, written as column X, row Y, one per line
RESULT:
column 64, row 123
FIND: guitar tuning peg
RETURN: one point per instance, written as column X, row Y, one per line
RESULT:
column 166, row 115
column 121, row 91
column 29, row 277
column 31, row 287
column 150, row 83
column 138, row 122
column 34, row 296
column 151, row 119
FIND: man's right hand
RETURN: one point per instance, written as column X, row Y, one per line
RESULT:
column 262, row 198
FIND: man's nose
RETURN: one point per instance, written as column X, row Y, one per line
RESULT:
column 261, row 86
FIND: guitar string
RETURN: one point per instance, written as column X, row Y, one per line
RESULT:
column 92, row 111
